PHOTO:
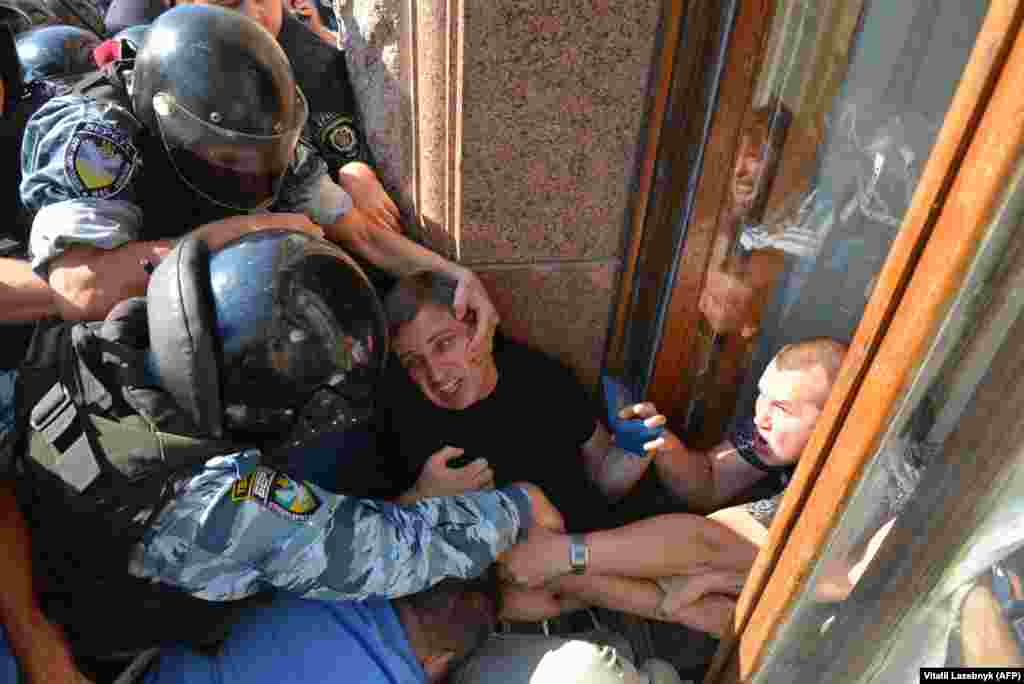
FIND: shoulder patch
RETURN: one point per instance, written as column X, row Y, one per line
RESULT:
column 340, row 135
column 100, row 160
column 278, row 492
column 293, row 498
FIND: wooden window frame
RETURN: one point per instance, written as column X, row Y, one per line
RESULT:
column 962, row 185
column 675, row 133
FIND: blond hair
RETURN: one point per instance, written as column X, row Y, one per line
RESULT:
column 823, row 352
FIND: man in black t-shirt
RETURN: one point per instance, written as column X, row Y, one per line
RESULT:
column 490, row 435
column 457, row 422
column 514, row 414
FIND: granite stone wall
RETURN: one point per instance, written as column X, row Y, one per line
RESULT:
column 509, row 130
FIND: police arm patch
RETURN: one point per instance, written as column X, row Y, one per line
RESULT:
column 340, row 136
column 100, row 161
column 277, row 492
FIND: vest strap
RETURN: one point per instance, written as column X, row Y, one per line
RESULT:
column 57, row 419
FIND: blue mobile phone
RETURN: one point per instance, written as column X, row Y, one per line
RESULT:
column 630, row 434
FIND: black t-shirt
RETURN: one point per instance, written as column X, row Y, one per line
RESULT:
column 530, row 428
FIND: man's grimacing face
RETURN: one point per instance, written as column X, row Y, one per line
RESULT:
column 787, row 409
column 434, row 350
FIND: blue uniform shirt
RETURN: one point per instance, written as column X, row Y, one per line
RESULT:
column 238, row 528
column 83, row 164
column 294, row 640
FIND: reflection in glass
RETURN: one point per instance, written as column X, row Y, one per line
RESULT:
column 804, row 263
column 945, row 487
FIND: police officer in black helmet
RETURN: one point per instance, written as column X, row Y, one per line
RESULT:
column 56, row 52
column 150, row 520
column 206, row 136
column 22, row 15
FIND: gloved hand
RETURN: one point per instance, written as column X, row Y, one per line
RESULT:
column 632, row 434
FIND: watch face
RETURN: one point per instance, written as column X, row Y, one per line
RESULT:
column 578, row 555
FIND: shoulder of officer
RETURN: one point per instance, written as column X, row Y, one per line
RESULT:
column 95, row 143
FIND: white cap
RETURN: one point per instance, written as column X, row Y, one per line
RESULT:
column 581, row 662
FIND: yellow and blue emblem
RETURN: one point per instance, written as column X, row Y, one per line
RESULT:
column 294, row 497
column 278, row 492
column 100, row 161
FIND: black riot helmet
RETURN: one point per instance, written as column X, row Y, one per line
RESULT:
column 56, row 52
column 271, row 340
column 220, row 93
column 14, row 19
column 23, row 15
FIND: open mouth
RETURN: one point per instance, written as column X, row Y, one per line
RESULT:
column 449, row 389
column 761, row 444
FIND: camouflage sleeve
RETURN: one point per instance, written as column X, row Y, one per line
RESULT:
column 80, row 167
column 308, row 189
column 229, row 534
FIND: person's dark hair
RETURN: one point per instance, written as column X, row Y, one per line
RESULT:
column 444, row 626
column 412, row 292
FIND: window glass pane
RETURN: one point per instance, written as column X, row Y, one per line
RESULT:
column 935, row 490
column 849, row 101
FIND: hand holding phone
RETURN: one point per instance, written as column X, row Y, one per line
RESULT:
column 630, row 433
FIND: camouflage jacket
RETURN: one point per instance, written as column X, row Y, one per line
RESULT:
column 238, row 528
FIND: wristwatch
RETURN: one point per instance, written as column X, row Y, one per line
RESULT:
column 579, row 554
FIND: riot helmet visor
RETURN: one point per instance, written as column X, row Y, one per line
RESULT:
column 234, row 169
column 302, row 354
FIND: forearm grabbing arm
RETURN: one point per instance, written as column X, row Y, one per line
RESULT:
column 24, row 295
column 87, row 282
column 640, row 549
column 688, row 474
column 710, row 613
column 614, row 470
column 625, row 594
column 385, row 249
column 39, row 645
column 666, row 545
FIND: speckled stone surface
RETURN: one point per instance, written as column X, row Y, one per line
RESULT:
column 518, row 158
column 553, row 101
column 559, row 308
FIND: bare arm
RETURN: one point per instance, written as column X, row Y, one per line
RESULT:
column 613, row 470
column 987, row 639
column 737, row 519
column 386, row 249
column 39, row 645
column 635, row 550
column 710, row 612
column 24, row 296
column 360, row 181
column 87, row 282
column 706, row 480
